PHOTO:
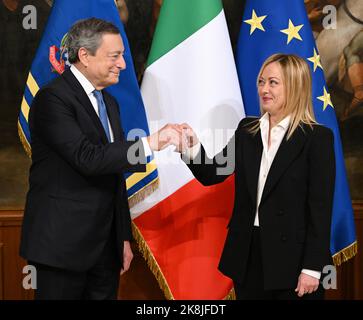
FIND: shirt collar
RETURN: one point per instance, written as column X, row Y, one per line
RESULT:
column 85, row 83
column 284, row 123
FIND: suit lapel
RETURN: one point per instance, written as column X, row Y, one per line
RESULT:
column 82, row 97
column 287, row 152
column 252, row 160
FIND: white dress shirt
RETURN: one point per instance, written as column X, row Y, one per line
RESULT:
column 89, row 88
column 268, row 154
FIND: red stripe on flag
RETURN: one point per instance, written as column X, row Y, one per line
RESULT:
column 186, row 232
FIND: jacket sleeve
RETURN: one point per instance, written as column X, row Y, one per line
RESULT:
column 212, row 171
column 56, row 124
column 321, row 185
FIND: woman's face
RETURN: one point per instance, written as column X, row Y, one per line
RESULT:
column 271, row 89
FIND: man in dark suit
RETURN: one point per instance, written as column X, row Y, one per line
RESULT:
column 77, row 228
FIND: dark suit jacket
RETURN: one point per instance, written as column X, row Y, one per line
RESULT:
column 76, row 184
column 295, row 209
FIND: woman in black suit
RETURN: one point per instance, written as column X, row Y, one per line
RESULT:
column 279, row 233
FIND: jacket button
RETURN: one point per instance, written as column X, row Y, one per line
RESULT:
column 280, row 212
column 283, row 238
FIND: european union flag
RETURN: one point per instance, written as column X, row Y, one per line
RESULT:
column 282, row 26
column 50, row 60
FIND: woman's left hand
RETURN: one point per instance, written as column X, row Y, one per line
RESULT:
column 306, row 284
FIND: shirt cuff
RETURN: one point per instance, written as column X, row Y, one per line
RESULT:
column 147, row 148
column 191, row 153
column 315, row 274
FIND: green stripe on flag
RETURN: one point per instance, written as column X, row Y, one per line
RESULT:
column 178, row 20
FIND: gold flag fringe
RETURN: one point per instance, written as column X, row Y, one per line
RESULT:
column 24, row 141
column 143, row 192
column 155, row 268
column 231, row 295
column 345, row 254
column 151, row 261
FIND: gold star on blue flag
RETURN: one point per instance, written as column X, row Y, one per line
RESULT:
column 326, row 99
column 315, row 59
column 255, row 22
column 288, row 31
column 292, row 32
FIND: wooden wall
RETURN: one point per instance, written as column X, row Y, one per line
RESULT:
column 11, row 265
column 139, row 283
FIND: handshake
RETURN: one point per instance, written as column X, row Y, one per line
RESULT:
column 181, row 136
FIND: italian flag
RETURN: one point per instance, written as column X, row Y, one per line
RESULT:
column 190, row 77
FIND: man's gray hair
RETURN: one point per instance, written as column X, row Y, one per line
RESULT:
column 88, row 34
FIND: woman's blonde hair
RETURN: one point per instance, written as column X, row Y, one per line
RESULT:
column 298, row 91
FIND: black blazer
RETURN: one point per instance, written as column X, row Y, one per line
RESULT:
column 295, row 209
column 76, row 185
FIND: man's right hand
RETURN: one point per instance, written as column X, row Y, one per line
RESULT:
column 170, row 134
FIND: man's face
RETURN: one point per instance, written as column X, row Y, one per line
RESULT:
column 104, row 67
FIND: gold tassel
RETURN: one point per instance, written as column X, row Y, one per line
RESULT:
column 151, row 261
column 155, row 268
column 231, row 295
column 24, row 141
column 345, row 254
column 143, row 192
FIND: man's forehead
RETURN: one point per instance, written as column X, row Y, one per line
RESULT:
column 112, row 40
